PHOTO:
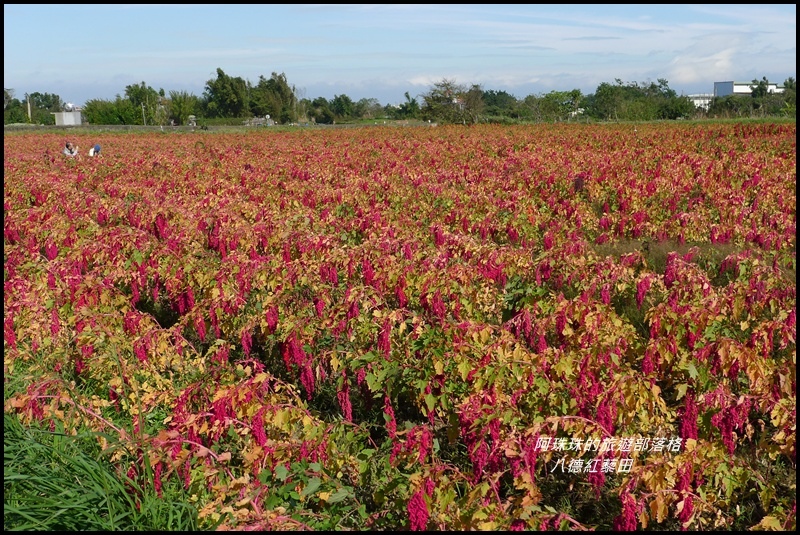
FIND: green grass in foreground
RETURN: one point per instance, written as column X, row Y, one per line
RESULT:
column 58, row 482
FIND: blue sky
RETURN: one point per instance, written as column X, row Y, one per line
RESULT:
column 82, row 52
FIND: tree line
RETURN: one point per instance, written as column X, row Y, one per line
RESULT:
column 234, row 98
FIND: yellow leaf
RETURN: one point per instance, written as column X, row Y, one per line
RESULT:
column 770, row 523
column 280, row 418
column 485, row 333
column 643, row 519
column 658, row 508
column 252, row 456
column 487, row 526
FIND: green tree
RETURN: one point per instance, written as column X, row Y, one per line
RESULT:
column 274, row 97
column 438, row 104
column 40, row 106
column 500, row 103
column 473, row 106
column 730, row 106
column 263, row 101
column 14, row 111
column 676, row 108
column 304, row 109
column 637, row 102
column 319, row 111
column 665, row 103
column 407, row 110
column 8, row 96
column 789, row 97
column 449, row 102
column 369, row 108
column 760, row 88
column 146, row 99
column 117, row 112
column 182, row 104
column 766, row 102
column 530, row 107
column 342, row 107
column 555, row 106
column 226, row 96
column 47, row 101
column 607, row 101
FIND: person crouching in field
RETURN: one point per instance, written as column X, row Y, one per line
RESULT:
column 70, row 150
column 94, row 151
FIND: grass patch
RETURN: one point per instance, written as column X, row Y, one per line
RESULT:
column 58, row 482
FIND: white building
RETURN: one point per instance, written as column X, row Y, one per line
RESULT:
column 68, row 118
column 723, row 89
column 701, row 100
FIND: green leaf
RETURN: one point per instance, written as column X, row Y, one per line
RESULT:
column 464, row 367
column 281, row 472
column 338, row 496
column 372, row 382
column 430, row 401
column 480, row 515
column 365, row 454
column 313, row 485
column 692, row 371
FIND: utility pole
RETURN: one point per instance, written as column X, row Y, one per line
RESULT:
column 144, row 120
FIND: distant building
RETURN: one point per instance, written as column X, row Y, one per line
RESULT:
column 68, row 118
column 723, row 89
column 701, row 100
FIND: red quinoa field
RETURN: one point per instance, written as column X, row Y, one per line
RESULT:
column 571, row 327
